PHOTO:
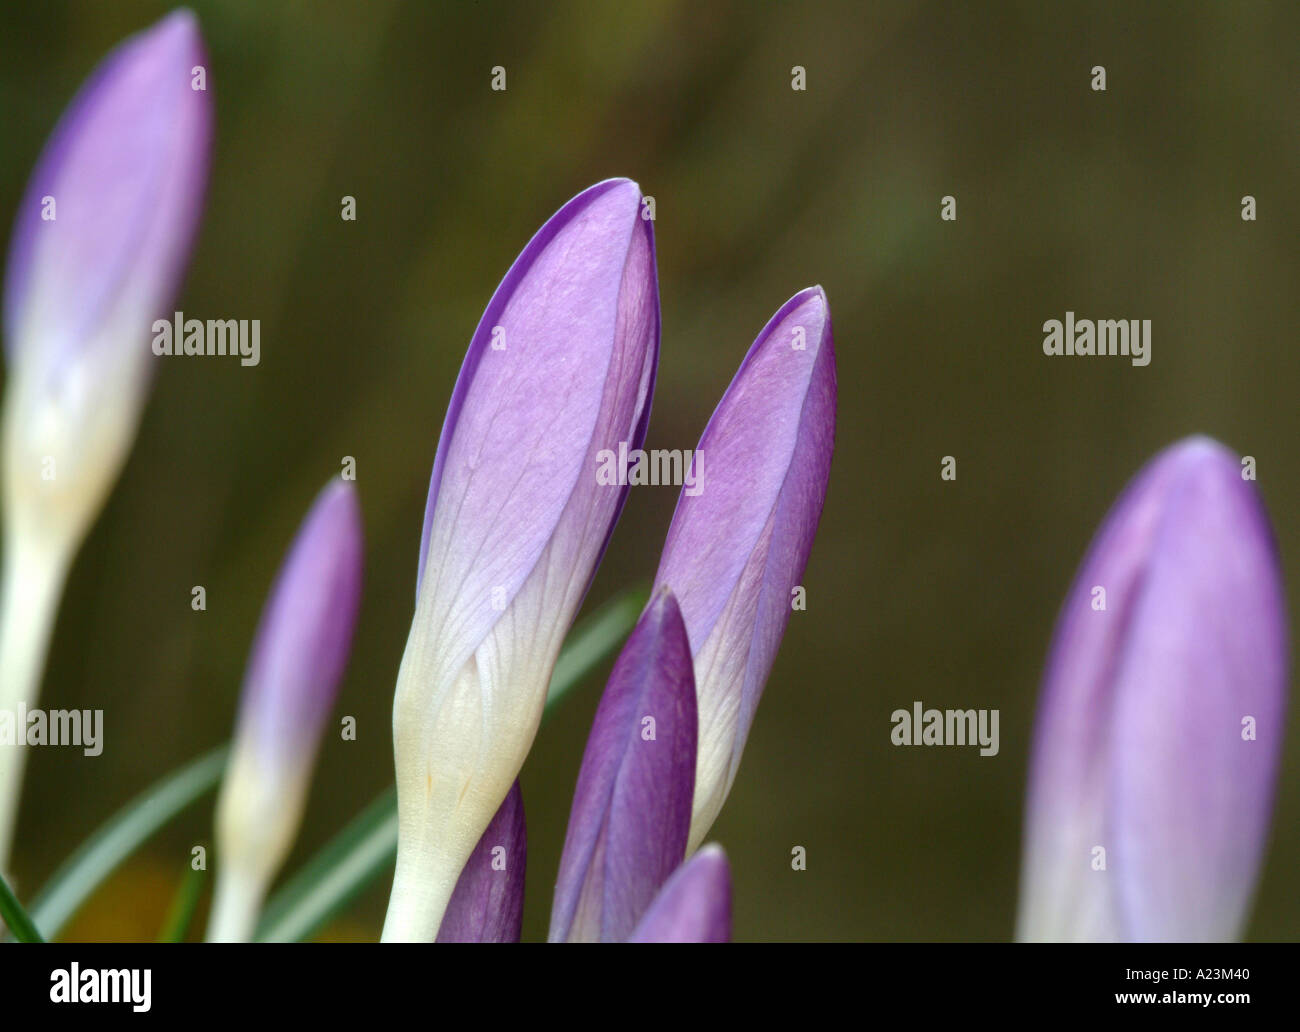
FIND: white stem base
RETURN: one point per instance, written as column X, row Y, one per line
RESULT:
column 418, row 901
column 236, row 904
column 30, row 586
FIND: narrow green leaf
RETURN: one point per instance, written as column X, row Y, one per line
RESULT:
column 15, row 916
column 592, row 640
column 368, row 845
column 181, row 913
column 120, row 836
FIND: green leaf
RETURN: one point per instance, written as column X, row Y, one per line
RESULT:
column 368, row 845
column 15, row 916
column 592, row 640
column 181, row 913
column 120, row 836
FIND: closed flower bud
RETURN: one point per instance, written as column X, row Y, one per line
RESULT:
column 98, row 250
column 298, row 658
column 1161, row 716
column 561, row 368
column 739, row 541
column 632, row 807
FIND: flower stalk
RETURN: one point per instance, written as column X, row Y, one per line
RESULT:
column 99, row 245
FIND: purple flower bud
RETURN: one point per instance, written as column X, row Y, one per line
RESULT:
column 740, row 539
column 632, row 807
column 292, row 680
column 1161, row 717
column 99, row 246
column 488, row 902
column 561, row 368
column 694, row 905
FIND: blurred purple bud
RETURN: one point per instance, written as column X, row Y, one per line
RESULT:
column 1161, row 715
column 305, row 635
column 292, row 680
column 99, row 243
column 99, row 247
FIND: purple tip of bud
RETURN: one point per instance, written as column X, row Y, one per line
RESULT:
column 1161, row 718
column 737, row 547
column 305, row 634
column 488, row 902
column 694, row 905
column 104, row 230
column 566, row 351
column 632, row 806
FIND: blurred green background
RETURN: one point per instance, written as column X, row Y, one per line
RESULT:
column 1123, row 204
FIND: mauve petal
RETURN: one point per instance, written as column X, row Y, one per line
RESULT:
column 555, row 587
column 488, row 902
column 694, row 905
column 305, row 634
column 736, row 549
column 515, row 525
column 301, row 648
column 127, row 167
column 567, row 295
column 1191, row 800
column 1183, row 532
column 632, row 805
column 1069, row 766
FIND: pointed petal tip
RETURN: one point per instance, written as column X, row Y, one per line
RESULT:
column 336, row 511
column 694, row 904
column 815, row 292
column 1200, row 450
column 662, row 605
column 619, row 182
column 713, row 857
column 627, row 191
column 808, row 309
column 181, row 25
column 341, row 493
column 1200, row 463
column 175, row 37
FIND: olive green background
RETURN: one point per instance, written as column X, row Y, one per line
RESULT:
column 1122, row 204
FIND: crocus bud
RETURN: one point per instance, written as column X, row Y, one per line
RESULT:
column 632, row 807
column 1161, row 715
column 488, row 902
column 694, row 905
column 298, row 657
column 560, row 369
column 740, row 537
column 99, row 245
